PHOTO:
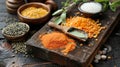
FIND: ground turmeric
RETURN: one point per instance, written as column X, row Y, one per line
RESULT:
column 33, row 12
column 58, row 40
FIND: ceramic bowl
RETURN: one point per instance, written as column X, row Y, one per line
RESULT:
column 89, row 9
column 11, row 27
column 34, row 20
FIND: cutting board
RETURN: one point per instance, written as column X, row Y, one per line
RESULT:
column 82, row 56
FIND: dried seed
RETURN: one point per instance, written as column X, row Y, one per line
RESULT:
column 25, row 52
column 109, row 57
column 26, row 55
column 103, row 57
column 12, row 50
column 20, row 47
column 98, row 57
column 16, row 52
column 81, row 45
column 96, row 39
column 13, row 55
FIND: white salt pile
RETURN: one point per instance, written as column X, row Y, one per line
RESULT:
column 91, row 7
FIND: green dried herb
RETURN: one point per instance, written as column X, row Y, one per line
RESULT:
column 114, row 4
column 105, row 1
column 16, row 29
column 107, row 4
column 65, row 4
column 58, row 20
column 75, row 1
column 62, row 12
column 58, row 12
column 84, row 0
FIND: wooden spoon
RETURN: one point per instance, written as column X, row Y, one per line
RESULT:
column 71, row 31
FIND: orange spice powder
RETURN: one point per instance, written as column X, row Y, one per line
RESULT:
column 90, row 26
column 57, row 40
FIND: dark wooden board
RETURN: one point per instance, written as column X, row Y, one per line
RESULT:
column 81, row 56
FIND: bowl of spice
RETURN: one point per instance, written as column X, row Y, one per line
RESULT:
column 90, row 8
column 16, row 31
column 34, row 13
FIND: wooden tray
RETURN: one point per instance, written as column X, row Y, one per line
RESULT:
column 81, row 56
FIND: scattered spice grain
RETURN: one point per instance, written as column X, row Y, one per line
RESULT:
column 109, row 57
column 20, row 48
column 90, row 26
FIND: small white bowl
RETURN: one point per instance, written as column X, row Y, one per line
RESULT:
column 90, row 8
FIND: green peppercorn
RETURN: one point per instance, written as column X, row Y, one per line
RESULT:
column 16, row 29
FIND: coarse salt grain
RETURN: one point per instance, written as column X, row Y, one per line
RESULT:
column 91, row 7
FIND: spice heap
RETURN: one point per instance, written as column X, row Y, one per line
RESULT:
column 21, row 48
column 33, row 12
column 16, row 29
column 57, row 40
column 90, row 26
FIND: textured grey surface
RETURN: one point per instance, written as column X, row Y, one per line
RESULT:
column 113, row 40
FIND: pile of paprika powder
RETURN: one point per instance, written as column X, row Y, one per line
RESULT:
column 58, row 40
